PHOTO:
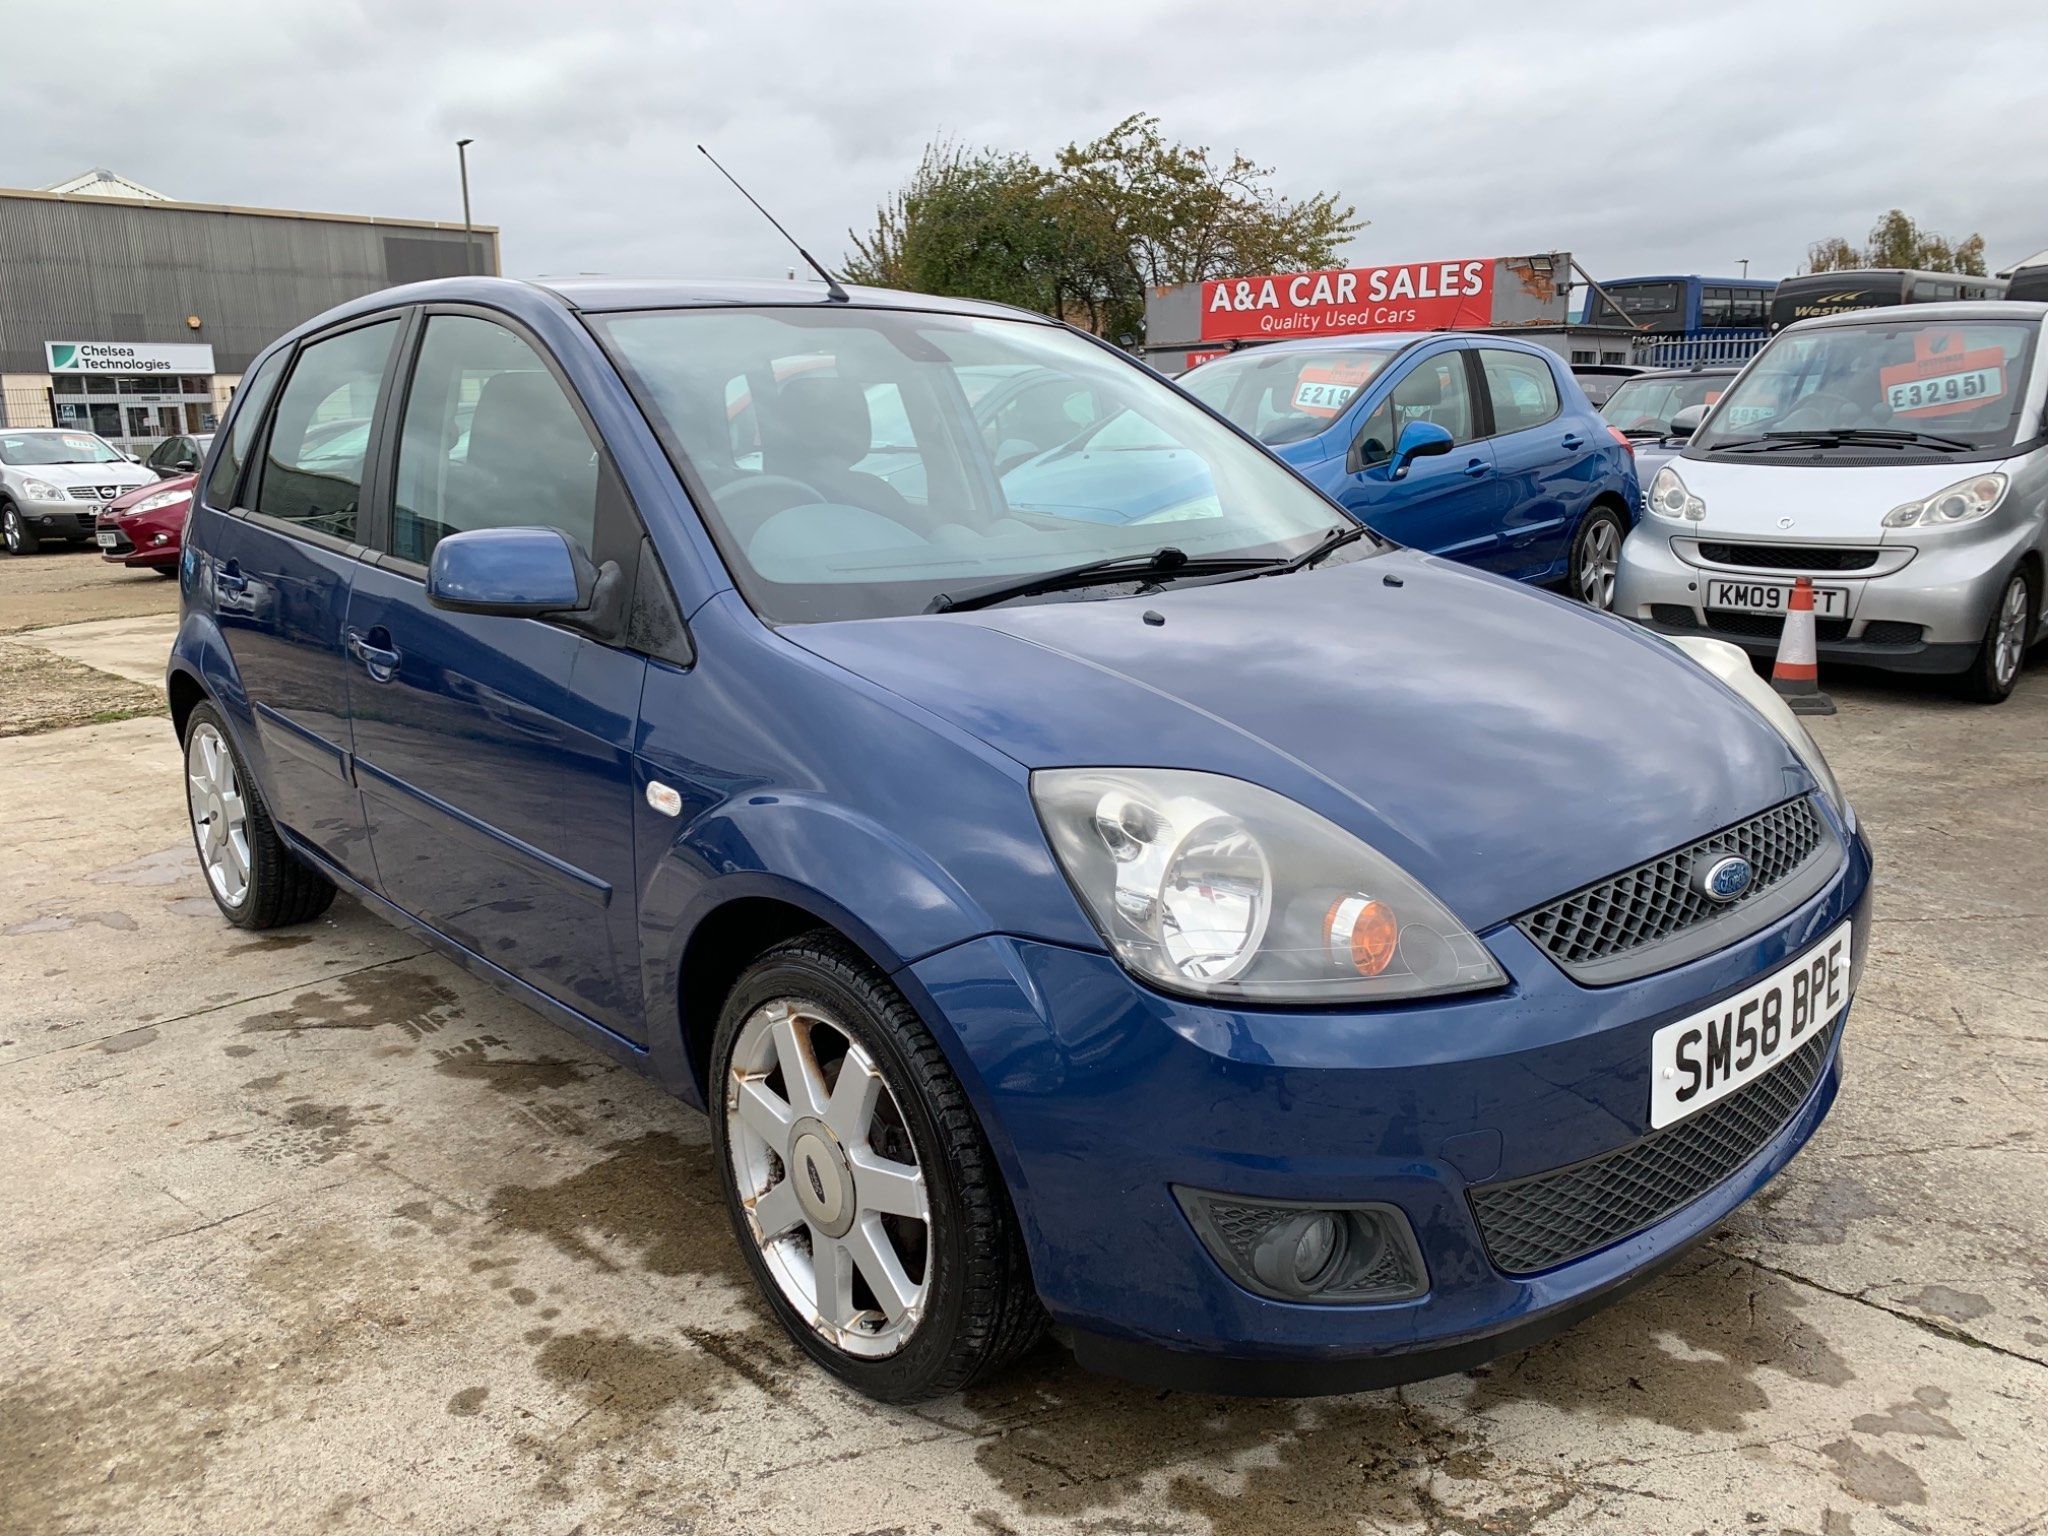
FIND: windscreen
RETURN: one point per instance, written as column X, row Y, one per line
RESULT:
column 859, row 462
column 1283, row 397
column 1934, row 382
column 1644, row 407
column 23, row 448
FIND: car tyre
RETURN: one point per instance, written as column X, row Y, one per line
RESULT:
column 2003, row 652
column 256, row 881
column 1596, row 557
column 15, row 533
column 969, row 1309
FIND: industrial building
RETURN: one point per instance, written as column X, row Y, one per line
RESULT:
column 133, row 315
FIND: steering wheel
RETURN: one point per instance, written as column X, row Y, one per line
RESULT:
column 748, row 503
column 1799, row 416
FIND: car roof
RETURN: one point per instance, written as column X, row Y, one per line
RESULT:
column 606, row 295
column 1959, row 309
column 1370, row 341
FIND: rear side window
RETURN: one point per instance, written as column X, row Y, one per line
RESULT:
column 490, row 441
column 1521, row 388
column 320, row 435
column 249, row 402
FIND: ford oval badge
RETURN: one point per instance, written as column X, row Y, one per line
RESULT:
column 1726, row 879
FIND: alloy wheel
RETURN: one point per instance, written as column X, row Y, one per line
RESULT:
column 2011, row 640
column 1599, row 558
column 12, row 531
column 835, row 1199
column 220, row 817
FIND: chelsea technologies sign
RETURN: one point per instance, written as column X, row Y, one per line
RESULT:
column 129, row 356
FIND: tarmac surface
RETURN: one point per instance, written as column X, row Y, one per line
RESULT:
column 312, row 1232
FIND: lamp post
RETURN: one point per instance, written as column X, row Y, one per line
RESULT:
column 1745, row 264
column 468, row 235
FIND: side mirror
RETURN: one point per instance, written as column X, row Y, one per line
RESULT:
column 515, row 572
column 1418, row 440
column 186, row 466
column 1687, row 421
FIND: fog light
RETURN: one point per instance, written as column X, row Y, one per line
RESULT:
column 1294, row 1250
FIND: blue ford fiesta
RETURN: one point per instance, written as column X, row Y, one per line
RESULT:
column 1482, row 449
column 1278, row 960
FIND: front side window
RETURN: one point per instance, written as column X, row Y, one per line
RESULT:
column 1283, row 397
column 1435, row 390
column 822, row 513
column 320, row 434
column 1844, row 387
column 490, row 440
column 1521, row 388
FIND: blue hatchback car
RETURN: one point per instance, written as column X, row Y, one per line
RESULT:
column 1279, row 960
column 1479, row 448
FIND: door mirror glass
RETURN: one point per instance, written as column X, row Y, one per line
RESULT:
column 517, row 572
column 1418, row 439
column 1687, row 421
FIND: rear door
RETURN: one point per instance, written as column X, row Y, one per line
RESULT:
column 281, row 565
column 1448, row 503
column 494, row 753
column 1540, row 455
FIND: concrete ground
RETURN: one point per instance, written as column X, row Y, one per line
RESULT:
column 311, row 1232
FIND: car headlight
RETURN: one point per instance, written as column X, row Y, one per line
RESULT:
column 1732, row 665
column 159, row 501
column 1214, row 886
column 41, row 490
column 1962, row 502
column 1669, row 498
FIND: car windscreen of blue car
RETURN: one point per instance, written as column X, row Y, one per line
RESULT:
column 840, row 488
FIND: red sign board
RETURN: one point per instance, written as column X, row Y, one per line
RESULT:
column 1421, row 296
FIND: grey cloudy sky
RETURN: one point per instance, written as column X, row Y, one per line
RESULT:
column 1642, row 138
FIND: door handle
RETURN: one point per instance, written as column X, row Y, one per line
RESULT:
column 380, row 661
column 230, row 579
column 1573, row 440
column 1476, row 467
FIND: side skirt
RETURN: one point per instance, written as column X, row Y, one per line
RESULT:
column 587, row 1029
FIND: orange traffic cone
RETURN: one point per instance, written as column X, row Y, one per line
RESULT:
column 1796, row 673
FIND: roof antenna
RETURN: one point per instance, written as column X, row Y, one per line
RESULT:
column 833, row 291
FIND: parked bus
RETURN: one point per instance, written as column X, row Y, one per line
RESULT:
column 2029, row 283
column 1831, row 293
column 1684, row 305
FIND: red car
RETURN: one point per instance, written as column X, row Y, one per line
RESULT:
column 146, row 527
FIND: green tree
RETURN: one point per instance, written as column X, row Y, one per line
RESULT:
column 1896, row 241
column 1084, row 238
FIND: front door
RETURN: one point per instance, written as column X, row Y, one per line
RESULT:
column 1447, row 504
column 280, row 574
column 495, row 754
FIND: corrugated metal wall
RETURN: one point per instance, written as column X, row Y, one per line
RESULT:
column 88, row 268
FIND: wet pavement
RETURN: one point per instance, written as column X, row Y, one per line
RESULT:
column 313, row 1232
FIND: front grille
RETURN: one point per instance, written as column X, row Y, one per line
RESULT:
column 1789, row 557
column 87, row 493
column 1550, row 1218
column 1660, row 897
column 1768, row 626
column 1892, row 632
column 1672, row 615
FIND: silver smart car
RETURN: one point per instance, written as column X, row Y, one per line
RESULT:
column 1899, row 458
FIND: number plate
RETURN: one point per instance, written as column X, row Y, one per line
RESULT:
column 109, row 539
column 1711, row 1054
column 1767, row 597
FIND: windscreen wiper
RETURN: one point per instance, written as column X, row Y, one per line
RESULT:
column 1165, row 562
column 1328, row 544
column 1882, row 437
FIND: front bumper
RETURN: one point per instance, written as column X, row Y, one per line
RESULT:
column 1101, row 1096
column 1929, row 614
column 60, row 519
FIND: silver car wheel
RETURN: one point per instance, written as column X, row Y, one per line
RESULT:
column 843, row 1226
column 11, row 530
column 220, row 818
column 1599, row 559
column 2011, row 639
